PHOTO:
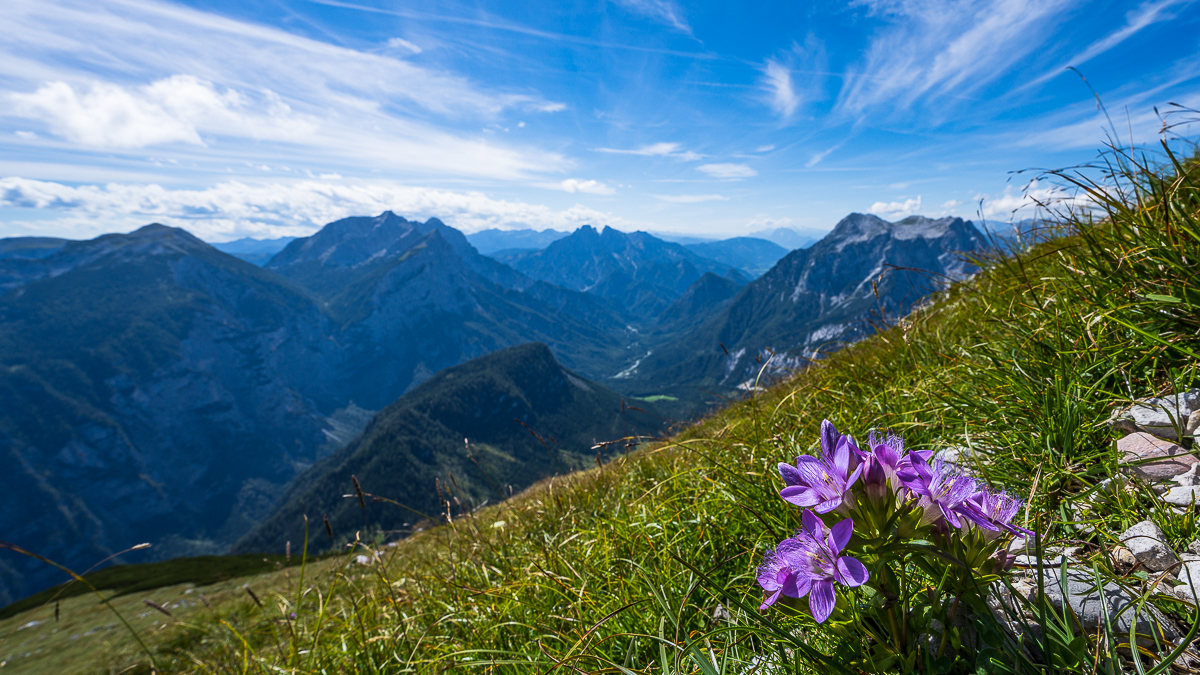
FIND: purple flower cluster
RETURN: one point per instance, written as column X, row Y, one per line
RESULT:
column 811, row 562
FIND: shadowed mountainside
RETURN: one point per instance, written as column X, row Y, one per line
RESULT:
column 497, row 403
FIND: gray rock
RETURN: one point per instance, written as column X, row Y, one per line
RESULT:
column 1194, row 547
column 1189, row 574
column 1091, row 603
column 1183, row 495
column 1148, row 544
column 1153, row 459
column 1164, row 417
column 1193, row 423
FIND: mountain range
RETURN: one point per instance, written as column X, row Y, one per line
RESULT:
column 161, row 390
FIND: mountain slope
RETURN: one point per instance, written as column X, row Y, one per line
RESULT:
column 256, row 251
column 636, row 271
column 155, row 389
column 488, row 242
column 865, row 273
column 494, row 402
column 749, row 254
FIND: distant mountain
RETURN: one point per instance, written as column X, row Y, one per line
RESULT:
column 256, row 251
column 24, row 258
column 637, row 272
column 865, row 273
column 496, row 403
column 488, row 242
column 413, row 298
column 701, row 301
column 785, row 237
column 155, row 389
column 748, row 254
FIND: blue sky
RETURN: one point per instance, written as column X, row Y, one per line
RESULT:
column 272, row 117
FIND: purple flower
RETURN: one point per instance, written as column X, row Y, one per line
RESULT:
column 993, row 511
column 823, row 483
column 940, row 490
column 887, row 464
column 810, row 563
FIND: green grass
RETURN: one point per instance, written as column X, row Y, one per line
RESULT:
column 127, row 579
column 622, row 568
column 657, row 398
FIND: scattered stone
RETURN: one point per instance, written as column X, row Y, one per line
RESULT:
column 1183, row 496
column 1123, row 557
column 1193, row 423
column 1140, row 447
column 1164, row 417
column 1147, row 543
column 1194, row 547
column 1189, row 574
column 1091, row 603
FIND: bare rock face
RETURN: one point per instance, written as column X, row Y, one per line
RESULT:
column 1164, row 417
column 1152, row 458
column 1147, row 543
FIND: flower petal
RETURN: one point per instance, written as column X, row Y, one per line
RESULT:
column 840, row 535
column 850, row 572
column 790, row 475
column 801, row 496
column 821, row 599
column 770, row 600
column 813, row 525
column 829, row 437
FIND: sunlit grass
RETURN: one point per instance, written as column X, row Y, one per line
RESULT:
column 647, row 564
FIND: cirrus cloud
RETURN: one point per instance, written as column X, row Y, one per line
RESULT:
column 727, row 171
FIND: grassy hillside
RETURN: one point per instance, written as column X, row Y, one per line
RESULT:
column 648, row 564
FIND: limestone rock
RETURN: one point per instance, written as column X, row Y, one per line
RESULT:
column 1183, row 495
column 1123, row 557
column 1147, row 543
column 1164, row 417
column 1090, row 603
column 1141, row 446
column 1193, row 423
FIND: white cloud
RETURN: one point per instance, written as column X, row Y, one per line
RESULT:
column 663, row 11
column 783, row 98
column 950, row 204
column 235, row 209
column 817, row 157
column 764, row 148
column 573, row 185
column 769, row 223
column 26, row 135
column 1015, row 204
column 172, row 110
column 907, row 207
column 656, row 150
column 727, row 171
column 690, row 199
column 175, row 75
column 330, row 176
column 945, row 49
column 401, row 43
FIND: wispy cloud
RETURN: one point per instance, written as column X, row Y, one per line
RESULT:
column 663, row 11
column 690, row 199
column 1142, row 16
column 907, row 207
column 784, row 96
column 817, row 157
column 401, row 43
column 574, row 185
column 171, row 110
column 177, row 75
column 657, row 150
column 727, row 171
column 237, row 209
column 931, row 49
